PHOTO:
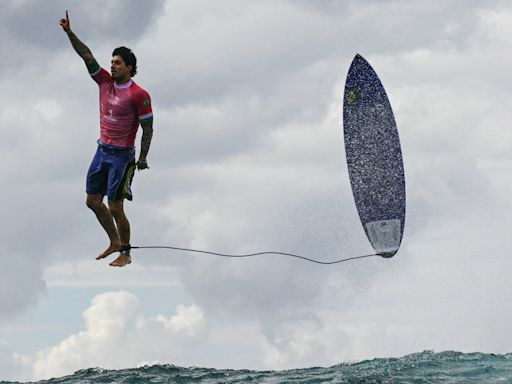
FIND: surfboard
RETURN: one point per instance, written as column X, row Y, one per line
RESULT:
column 374, row 158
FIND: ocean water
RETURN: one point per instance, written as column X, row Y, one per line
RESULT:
column 424, row 367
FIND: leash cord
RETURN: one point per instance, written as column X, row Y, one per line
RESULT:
column 254, row 254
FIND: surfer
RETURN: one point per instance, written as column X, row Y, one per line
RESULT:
column 123, row 106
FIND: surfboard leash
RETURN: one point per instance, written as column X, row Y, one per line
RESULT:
column 127, row 248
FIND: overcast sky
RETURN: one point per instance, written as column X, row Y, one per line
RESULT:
column 248, row 156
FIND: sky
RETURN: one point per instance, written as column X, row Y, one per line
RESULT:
column 248, row 156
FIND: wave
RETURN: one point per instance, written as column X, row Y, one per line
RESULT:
column 423, row 367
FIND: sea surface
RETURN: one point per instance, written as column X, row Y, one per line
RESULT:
column 424, row 367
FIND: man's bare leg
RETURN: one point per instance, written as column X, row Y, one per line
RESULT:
column 123, row 228
column 95, row 202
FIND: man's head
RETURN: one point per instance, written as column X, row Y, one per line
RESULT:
column 124, row 63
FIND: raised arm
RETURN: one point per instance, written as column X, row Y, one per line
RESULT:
column 83, row 51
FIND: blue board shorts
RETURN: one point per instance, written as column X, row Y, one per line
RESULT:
column 111, row 172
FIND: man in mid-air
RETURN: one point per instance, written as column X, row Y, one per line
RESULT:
column 123, row 105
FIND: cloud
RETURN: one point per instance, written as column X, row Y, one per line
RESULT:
column 116, row 336
column 248, row 156
column 31, row 29
column 105, row 323
column 21, row 283
column 379, row 323
column 12, row 365
column 281, row 193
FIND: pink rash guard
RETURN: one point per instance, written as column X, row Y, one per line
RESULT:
column 122, row 107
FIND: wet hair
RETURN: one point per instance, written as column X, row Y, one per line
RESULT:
column 128, row 58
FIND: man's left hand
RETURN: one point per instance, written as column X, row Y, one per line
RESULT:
column 142, row 164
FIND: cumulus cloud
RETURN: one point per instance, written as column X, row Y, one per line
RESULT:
column 105, row 323
column 115, row 335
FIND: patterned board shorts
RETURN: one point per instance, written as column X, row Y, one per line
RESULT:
column 111, row 172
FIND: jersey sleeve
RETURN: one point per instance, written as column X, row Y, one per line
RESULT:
column 143, row 105
column 101, row 76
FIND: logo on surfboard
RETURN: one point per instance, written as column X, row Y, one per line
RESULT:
column 351, row 97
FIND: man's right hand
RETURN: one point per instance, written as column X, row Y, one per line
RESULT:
column 64, row 23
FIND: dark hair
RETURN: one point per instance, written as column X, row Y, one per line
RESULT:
column 128, row 58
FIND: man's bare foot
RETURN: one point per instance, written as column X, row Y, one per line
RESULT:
column 111, row 249
column 123, row 259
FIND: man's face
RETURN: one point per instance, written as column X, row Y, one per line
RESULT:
column 119, row 70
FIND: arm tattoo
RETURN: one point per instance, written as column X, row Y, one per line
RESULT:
column 83, row 51
column 147, row 134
